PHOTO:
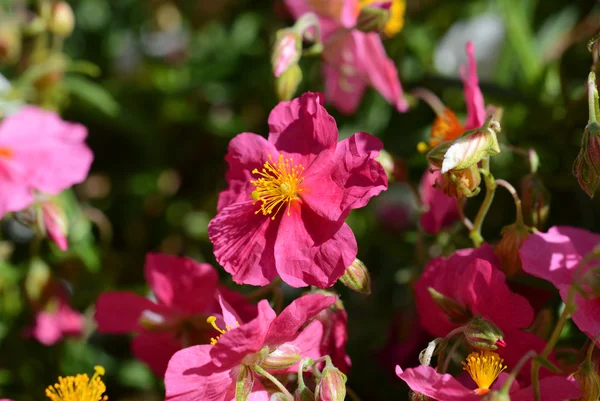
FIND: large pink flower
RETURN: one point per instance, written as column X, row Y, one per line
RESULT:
column 207, row 372
column 186, row 294
column 39, row 152
column 353, row 59
column 284, row 210
column 553, row 256
column 443, row 387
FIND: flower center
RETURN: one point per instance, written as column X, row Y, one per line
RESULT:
column 213, row 322
column 79, row 388
column 6, row 153
column 277, row 184
column 396, row 21
column 484, row 367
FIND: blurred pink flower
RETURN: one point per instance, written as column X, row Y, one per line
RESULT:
column 39, row 152
column 554, row 256
column 353, row 59
column 186, row 294
column 473, row 96
column 441, row 210
column 335, row 335
column 56, row 321
column 209, row 372
column 284, row 210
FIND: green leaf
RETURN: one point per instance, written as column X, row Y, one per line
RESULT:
column 547, row 364
column 92, row 93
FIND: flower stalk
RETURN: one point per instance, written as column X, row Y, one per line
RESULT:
column 490, row 190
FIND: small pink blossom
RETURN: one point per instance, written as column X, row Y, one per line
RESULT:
column 284, row 210
column 207, row 372
column 39, row 152
column 56, row 322
column 186, row 293
column 441, row 210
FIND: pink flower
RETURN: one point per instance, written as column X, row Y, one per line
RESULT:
column 353, row 59
column 56, row 321
column 207, row 372
column 39, row 152
column 443, row 387
column 553, row 256
column 441, row 210
column 283, row 213
column 186, row 293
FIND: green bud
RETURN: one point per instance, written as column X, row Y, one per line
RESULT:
column 10, row 41
column 62, row 20
column 456, row 312
column 482, row 334
column 287, row 51
column 471, row 147
column 357, row 278
column 587, row 165
column 244, row 383
column 331, row 386
column 373, row 18
column 535, row 199
column 281, row 358
column 436, row 155
column 287, row 83
column 589, row 381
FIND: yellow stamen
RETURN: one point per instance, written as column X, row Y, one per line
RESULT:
column 79, row 388
column 484, row 367
column 277, row 184
column 213, row 322
column 396, row 21
column 6, row 153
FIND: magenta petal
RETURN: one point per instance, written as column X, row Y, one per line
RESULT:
column 190, row 376
column 230, row 317
column 311, row 250
column 343, row 88
column 245, row 153
column 181, row 283
column 425, row 380
column 440, row 209
column 308, row 342
column 552, row 388
column 71, row 322
column 15, row 195
column 473, row 95
column 244, row 242
column 47, row 328
column 119, row 312
column 155, row 349
column 240, row 303
column 302, row 128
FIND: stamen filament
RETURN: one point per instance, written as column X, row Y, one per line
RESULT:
column 79, row 388
column 212, row 321
column 484, row 368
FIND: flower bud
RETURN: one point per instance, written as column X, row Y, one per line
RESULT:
column 589, row 381
column 482, row 334
column 281, row 358
column 244, row 383
column 374, row 17
column 462, row 183
column 535, row 200
column 357, row 278
column 55, row 223
column 331, row 386
column 414, row 396
column 587, row 165
column 10, row 42
column 507, row 249
column 287, row 84
column 456, row 312
column 62, row 20
column 286, row 52
column 470, row 148
column 436, row 155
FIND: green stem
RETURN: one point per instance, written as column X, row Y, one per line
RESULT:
column 273, row 380
column 460, row 204
column 592, row 98
column 490, row 189
column 515, row 195
column 513, row 375
column 449, row 356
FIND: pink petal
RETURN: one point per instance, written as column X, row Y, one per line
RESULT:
column 554, row 388
column 440, row 209
column 308, row 342
column 518, row 343
column 230, row 317
column 473, row 96
column 302, row 128
column 47, row 328
column 120, row 312
column 343, row 88
column 155, row 349
column 311, row 250
column 243, row 243
column 70, row 321
column 245, row 153
column 240, row 303
column 181, row 283
column 425, row 380
column 16, row 196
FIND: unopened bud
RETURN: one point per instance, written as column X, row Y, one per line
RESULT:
column 482, row 334
column 62, row 20
column 374, row 17
column 470, row 148
column 589, row 381
column 281, row 358
column 244, row 383
column 357, row 278
column 436, row 155
column 456, row 312
column 286, row 52
column 587, row 165
column 507, row 249
column 535, row 200
column 55, row 223
column 10, row 42
column 331, row 386
column 461, row 183
column 287, row 84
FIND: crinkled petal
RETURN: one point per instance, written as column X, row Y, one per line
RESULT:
column 442, row 387
column 553, row 388
column 473, row 95
column 244, row 242
column 119, row 312
column 181, row 283
column 155, row 349
column 311, row 250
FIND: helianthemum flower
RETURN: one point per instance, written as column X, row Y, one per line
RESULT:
column 283, row 213
column 186, row 294
column 79, row 388
column 245, row 354
column 39, row 152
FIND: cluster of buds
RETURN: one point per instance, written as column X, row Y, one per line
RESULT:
column 587, row 165
column 458, row 159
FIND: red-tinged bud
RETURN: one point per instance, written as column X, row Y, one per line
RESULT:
column 286, row 52
column 471, row 147
column 56, row 224
column 374, row 17
column 244, row 383
column 589, row 381
column 456, row 312
column 331, row 386
column 357, row 278
column 482, row 334
column 535, row 200
column 287, row 84
column 10, row 42
column 507, row 249
column 281, row 358
column 62, row 20
column 587, row 165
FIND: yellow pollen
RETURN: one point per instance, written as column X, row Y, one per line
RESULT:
column 79, row 388
column 6, row 153
column 484, row 367
column 213, row 322
column 396, row 21
column 278, row 183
